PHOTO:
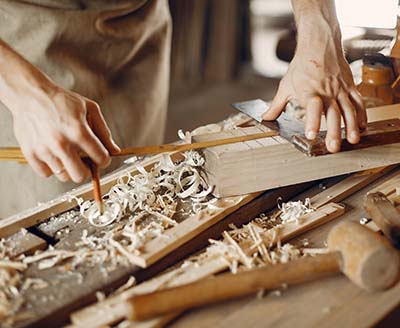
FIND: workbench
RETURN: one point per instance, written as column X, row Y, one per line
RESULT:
column 331, row 302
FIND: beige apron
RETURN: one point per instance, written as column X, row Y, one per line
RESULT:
column 115, row 52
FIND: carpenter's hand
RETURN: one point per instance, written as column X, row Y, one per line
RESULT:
column 51, row 127
column 320, row 81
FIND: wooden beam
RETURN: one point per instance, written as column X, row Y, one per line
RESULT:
column 245, row 167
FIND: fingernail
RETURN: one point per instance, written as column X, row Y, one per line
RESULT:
column 311, row 134
column 118, row 148
column 334, row 145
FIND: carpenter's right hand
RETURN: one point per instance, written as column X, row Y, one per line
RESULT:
column 51, row 126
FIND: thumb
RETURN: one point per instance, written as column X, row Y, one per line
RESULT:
column 277, row 106
column 100, row 128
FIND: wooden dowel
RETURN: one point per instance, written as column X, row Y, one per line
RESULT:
column 14, row 153
column 228, row 286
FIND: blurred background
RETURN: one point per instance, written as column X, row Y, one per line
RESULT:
column 233, row 50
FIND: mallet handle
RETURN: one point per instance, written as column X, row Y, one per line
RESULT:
column 228, row 286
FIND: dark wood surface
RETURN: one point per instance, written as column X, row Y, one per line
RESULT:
column 70, row 290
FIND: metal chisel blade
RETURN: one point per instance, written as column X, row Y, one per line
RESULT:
column 286, row 125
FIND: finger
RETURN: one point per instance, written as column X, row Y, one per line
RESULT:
column 100, row 128
column 57, row 168
column 333, row 119
column 350, row 118
column 38, row 166
column 360, row 107
column 314, row 110
column 73, row 164
column 91, row 145
column 277, row 106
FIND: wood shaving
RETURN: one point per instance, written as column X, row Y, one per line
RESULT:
column 152, row 193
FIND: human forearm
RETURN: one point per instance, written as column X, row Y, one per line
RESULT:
column 316, row 18
column 19, row 78
column 50, row 123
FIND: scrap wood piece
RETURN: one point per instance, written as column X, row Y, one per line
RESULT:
column 116, row 311
column 235, row 170
column 349, row 186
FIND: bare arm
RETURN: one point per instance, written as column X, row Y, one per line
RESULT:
column 50, row 123
column 319, row 77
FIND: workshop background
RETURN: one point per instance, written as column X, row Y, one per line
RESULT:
column 231, row 50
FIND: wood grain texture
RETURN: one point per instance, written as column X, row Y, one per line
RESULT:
column 237, row 169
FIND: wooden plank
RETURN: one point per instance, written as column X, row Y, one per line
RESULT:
column 280, row 165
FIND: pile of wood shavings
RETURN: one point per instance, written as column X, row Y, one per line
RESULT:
column 12, row 284
column 257, row 243
column 143, row 206
column 152, row 193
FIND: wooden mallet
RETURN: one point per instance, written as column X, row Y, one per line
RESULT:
column 364, row 256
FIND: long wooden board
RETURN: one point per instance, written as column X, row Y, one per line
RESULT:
column 270, row 163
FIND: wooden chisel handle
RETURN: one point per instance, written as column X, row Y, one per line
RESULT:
column 228, row 286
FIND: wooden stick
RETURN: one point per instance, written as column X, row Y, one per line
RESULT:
column 94, row 170
column 228, row 286
column 15, row 153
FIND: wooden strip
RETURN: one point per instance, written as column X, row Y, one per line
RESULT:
column 310, row 221
column 388, row 188
column 16, row 153
column 116, row 310
column 348, row 186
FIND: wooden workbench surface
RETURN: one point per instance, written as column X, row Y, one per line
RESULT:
column 331, row 302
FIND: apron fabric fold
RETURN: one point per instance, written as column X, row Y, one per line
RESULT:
column 114, row 52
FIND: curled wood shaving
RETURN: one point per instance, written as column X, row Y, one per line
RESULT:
column 154, row 192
